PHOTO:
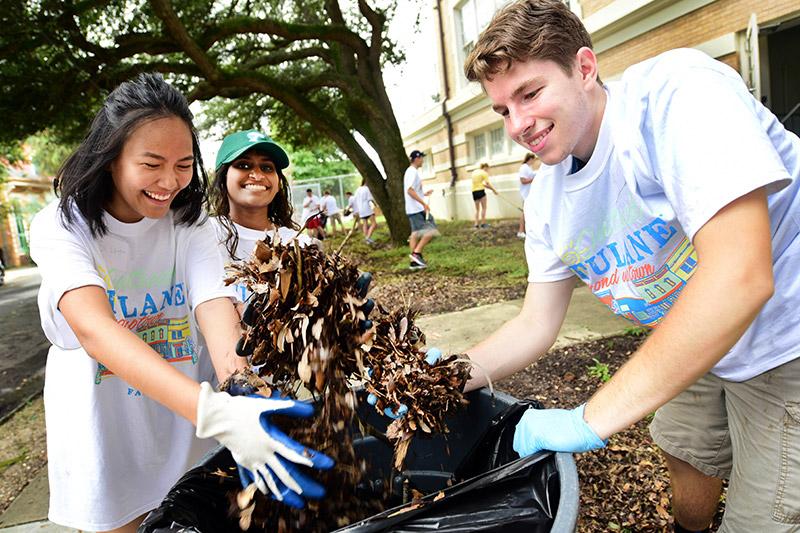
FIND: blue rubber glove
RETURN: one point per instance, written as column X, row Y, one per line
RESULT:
column 264, row 454
column 431, row 357
column 558, row 430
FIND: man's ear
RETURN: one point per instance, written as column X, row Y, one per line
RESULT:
column 586, row 64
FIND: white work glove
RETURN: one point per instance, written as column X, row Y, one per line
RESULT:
column 265, row 455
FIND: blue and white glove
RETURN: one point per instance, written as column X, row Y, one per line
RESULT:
column 264, row 454
column 431, row 357
column 558, row 430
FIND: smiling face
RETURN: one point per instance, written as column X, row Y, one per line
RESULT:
column 252, row 182
column 547, row 111
column 155, row 164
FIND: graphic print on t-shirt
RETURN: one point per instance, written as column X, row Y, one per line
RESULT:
column 640, row 270
column 146, row 313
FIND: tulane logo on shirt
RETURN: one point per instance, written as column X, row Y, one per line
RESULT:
column 148, row 304
column 640, row 275
column 170, row 337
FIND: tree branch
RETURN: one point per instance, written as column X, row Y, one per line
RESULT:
column 276, row 57
column 163, row 9
column 289, row 31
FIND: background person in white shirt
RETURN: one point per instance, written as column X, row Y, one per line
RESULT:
column 332, row 211
column 364, row 210
column 526, row 176
column 423, row 229
column 312, row 215
column 639, row 197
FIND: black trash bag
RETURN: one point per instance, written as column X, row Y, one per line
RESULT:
column 499, row 491
column 199, row 502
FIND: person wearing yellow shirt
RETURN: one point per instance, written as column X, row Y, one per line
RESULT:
column 480, row 182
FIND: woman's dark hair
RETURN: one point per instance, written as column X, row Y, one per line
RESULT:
column 85, row 179
column 279, row 210
column 528, row 157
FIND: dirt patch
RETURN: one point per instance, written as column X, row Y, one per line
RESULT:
column 439, row 294
column 22, row 450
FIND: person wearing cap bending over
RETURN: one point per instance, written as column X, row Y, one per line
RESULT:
column 480, row 182
column 637, row 196
column 423, row 229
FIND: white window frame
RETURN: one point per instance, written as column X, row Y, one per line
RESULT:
column 492, row 150
column 479, row 139
column 464, row 45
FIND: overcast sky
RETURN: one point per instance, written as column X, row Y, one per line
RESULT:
column 412, row 84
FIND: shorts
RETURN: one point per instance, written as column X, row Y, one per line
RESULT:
column 422, row 224
column 313, row 222
column 746, row 432
column 477, row 195
column 367, row 217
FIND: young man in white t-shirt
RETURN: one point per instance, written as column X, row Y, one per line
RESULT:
column 637, row 195
column 365, row 212
column 332, row 211
column 423, row 229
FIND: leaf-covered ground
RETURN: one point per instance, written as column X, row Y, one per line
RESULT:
column 625, row 486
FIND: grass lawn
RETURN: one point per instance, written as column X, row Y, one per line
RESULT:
column 460, row 251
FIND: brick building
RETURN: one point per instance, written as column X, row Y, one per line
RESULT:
column 22, row 195
column 760, row 39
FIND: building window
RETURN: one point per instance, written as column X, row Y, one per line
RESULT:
column 498, row 140
column 479, row 147
column 472, row 17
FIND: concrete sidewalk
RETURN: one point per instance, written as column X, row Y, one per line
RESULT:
column 586, row 319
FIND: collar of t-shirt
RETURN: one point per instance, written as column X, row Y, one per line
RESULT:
column 583, row 173
column 577, row 164
column 118, row 227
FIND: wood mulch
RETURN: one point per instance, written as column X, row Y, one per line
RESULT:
column 624, row 487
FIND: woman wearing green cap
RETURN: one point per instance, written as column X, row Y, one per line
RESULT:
column 250, row 196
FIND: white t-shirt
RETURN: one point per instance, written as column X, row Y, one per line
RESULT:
column 331, row 207
column 351, row 203
column 113, row 453
column 310, row 207
column 247, row 243
column 362, row 202
column 668, row 158
column 412, row 180
column 525, row 171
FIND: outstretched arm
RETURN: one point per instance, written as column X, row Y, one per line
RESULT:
column 120, row 350
column 527, row 336
column 732, row 282
column 218, row 320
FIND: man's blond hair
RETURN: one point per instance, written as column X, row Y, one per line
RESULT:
column 526, row 30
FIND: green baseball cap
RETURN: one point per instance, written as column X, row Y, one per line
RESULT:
column 238, row 143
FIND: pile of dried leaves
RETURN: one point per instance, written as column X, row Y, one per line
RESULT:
column 308, row 329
